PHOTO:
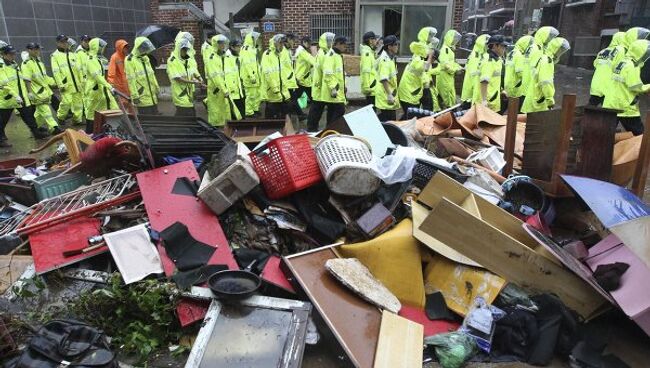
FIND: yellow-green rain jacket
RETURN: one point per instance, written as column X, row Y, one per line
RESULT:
column 177, row 67
column 275, row 74
column 448, row 68
column 333, row 77
column 325, row 42
column 287, row 63
column 626, row 85
column 490, row 73
column 249, row 65
column 66, row 71
column 415, row 74
column 368, row 70
column 540, row 95
column 304, row 66
column 141, row 77
column 604, row 62
column 516, row 65
column 386, row 71
column 470, row 79
column 233, row 79
column 97, row 96
column 12, row 87
column 34, row 70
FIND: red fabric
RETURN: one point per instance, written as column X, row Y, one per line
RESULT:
column 272, row 274
column 116, row 74
column 418, row 315
column 97, row 152
column 48, row 245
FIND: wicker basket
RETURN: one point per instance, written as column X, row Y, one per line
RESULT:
column 344, row 161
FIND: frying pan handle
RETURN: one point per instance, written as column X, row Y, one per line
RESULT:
column 250, row 266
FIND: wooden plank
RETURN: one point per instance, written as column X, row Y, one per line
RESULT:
column 511, row 134
column 400, row 343
column 566, row 127
column 508, row 258
column 596, row 149
column 642, row 163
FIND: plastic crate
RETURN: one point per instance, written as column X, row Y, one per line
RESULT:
column 49, row 185
column 286, row 165
column 423, row 171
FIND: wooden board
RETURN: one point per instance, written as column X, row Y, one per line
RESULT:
column 400, row 343
column 11, row 267
column 508, row 258
column 353, row 321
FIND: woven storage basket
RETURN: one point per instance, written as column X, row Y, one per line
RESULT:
column 344, row 161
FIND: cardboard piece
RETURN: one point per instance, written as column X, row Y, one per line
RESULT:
column 353, row 321
column 498, row 241
column 633, row 296
column 165, row 208
column 461, row 284
column 136, row 257
column 11, row 268
column 400, row 343
column 48, row 245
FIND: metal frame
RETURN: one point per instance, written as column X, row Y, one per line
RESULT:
column 294, row 347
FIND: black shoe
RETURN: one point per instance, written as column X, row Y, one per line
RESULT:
column 57, row 130
column 39, row 134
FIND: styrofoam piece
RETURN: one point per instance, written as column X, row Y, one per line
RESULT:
column 229, row 187
column 490, row 158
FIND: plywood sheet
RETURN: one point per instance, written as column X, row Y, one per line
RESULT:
column 11, row 267
column 400, row 343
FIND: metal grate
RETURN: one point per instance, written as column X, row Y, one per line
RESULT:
column 339, row 24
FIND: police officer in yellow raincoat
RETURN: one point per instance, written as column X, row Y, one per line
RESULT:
column 275, row 74
column 627, row 86
column 250, row 71
column 490, row 73
column 39, row 83
column 14, row 96
column 325, row 42
column 540, row 95
column 470, row 79
column 386, row 90
column 516, row 65
column 233, row 80
column 143, row 85
column 218, row 100
column 183, row 74
column 304, row 67
column 603, row 64
column 448, row 68
column 333, row 86
column 542, row 37
column 69, row 79
column 98, row 95
column 367, row 66
column 415, row 76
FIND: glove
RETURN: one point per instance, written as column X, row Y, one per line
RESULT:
column 391, row 99
column 227, row 94
column 484, row 103
column 136, row 101
column 550, row 103
column 427, row 85
column 113, row 90
column 334, row 93
column 31, row 96
column 19, row 100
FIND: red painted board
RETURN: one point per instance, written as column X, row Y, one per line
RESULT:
column 272, row 274
column 48, row 245
column 430, row 327
column 165, row 208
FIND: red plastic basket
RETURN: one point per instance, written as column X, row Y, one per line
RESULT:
column 286, row 165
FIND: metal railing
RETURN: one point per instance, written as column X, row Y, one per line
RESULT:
column 339, row 24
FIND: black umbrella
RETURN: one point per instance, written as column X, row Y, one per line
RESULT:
column 159, row 35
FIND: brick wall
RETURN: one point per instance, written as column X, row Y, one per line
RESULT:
column 295, row 13
column 457, row 15
column 266, row 36
column 182, row 20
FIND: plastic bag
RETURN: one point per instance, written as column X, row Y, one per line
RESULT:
column 395, row 168
column 303, row 100
column 452, row 349
column 480, row 323
column 410, row 129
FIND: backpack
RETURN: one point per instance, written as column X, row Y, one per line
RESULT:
column 67, row 343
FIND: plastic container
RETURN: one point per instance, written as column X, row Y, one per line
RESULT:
column 286, row 165
column 49, row 185
column 344, row 162
column 223, row 191
column 490, row 158
column 7, row 167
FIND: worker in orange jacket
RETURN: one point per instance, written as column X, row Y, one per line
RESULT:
column 116, row 74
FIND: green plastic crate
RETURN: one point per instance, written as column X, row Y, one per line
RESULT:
column 49, row 185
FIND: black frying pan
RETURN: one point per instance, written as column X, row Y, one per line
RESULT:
column 234, row 284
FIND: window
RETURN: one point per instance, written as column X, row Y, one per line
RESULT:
column 339, row 24
column 403, row 21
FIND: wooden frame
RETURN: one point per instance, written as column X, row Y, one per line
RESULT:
column 250, row 127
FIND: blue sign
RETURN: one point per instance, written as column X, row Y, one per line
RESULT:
column 269, row 27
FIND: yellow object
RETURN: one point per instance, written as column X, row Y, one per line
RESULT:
column 393, row 258
column 460, row 284
column 400, row 342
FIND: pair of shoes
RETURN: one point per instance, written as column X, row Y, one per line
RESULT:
column 57, row 130
column 39, row 134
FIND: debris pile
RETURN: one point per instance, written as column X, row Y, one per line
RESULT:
column 451, row 238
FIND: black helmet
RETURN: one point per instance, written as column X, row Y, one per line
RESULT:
column 8, row 50
column 235, row 42
column 391, row 40
column 33, row 46
column 497, row 39
column 61, row 38
column 369, row 36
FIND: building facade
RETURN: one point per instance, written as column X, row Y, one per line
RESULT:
column 25, row 21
